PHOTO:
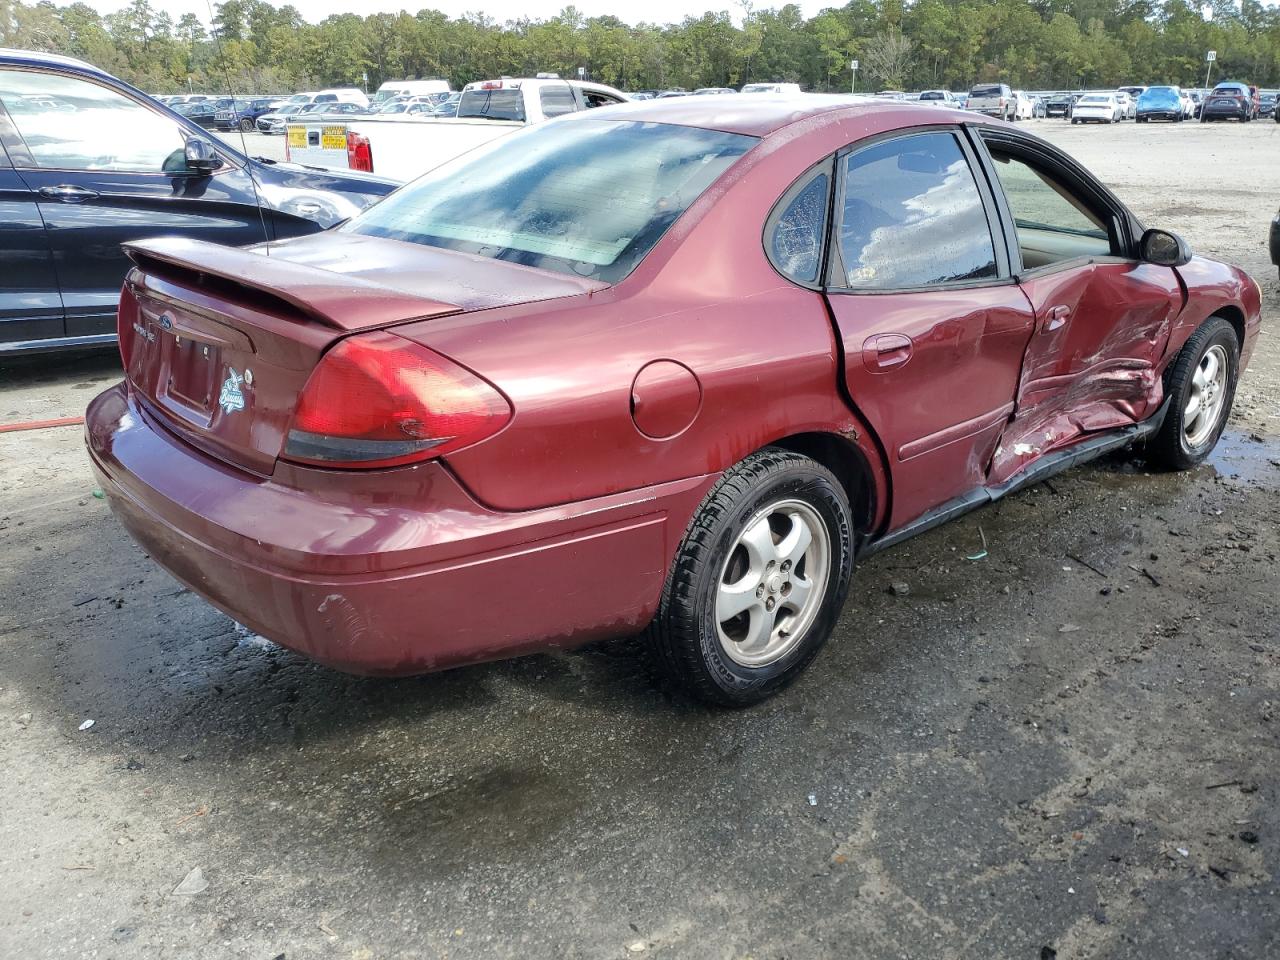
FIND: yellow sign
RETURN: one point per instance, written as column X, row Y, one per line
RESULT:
column 333, row 138
column 297, row 136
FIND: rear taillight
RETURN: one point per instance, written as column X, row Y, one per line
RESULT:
column 359, row 153
column 379, row 400
column 126, row 317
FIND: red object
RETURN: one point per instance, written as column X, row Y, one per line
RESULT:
column 40, row 424
column 582, row 424
column 359, row 153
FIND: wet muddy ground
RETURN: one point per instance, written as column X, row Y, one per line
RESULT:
column 1067, row 748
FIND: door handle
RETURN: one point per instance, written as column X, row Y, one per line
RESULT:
column 68, row 193
column 885, row 351
column 1056, row 318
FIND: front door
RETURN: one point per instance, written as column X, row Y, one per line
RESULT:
column 1102, row 316
column 933, row 326
column 105, row 169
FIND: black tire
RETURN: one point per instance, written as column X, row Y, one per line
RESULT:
column 1169, row 448
column 246, row 125
column 685, row 634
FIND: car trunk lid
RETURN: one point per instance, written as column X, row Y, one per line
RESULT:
column 219, row 342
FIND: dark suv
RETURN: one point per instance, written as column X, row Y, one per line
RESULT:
column 244, row 112
column 88, row 162
column 1230, row 100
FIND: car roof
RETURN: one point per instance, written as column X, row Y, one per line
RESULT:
column 36, row 59
column 752, row 114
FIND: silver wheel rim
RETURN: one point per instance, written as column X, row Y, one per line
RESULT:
column 1208, row 394
column 773, row 583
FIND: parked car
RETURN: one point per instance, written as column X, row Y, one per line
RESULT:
column 1133, row 92
column 394, row 89
column 244, row 112
column 1188, row 105
column 1230, row 101
column 713, row 91
column 1097, row 108
column 1128, row 105
column 940, row 98
column 1160, row 103
column 483, row 388
column 993, row 100
column 771, row 88
column 202, row 112
column 1267, row 104
column 1024, row 108
column 404, row 147
column 1274, row 239
column 88, row 163
column 1059, row 105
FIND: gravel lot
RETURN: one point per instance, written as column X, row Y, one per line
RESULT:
column 1069, row 746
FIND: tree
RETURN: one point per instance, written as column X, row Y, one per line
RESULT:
column 887, row 58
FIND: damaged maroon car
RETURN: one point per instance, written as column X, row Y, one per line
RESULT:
column 667, row 367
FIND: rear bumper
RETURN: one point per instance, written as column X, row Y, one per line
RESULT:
column 386, row 572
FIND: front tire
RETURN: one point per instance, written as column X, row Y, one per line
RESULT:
column 246, row 126
column 758, row 582
column 1201, row 385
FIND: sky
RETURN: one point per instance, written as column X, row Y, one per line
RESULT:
column 652, row 11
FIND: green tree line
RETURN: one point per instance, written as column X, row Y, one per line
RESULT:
column 1037, row 44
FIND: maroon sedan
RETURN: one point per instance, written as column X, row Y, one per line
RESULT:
column 670, row 365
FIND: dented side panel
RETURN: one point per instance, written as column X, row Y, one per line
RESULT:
column 1094, row 360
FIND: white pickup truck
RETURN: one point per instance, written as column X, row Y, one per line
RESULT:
column 403, row 147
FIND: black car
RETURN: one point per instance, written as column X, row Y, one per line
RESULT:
column 204, row 112
column 88, row 162
column 1267, row 105
column 1059, row 105
column 1275, row 232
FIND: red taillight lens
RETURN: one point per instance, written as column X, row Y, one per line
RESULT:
column 359, row 153
column 378, row 400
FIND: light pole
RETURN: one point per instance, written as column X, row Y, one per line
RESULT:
column 853, row 65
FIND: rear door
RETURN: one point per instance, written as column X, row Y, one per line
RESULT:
column 30, row 306
column 933, row 325
column 106, row 168
column 1102, row 317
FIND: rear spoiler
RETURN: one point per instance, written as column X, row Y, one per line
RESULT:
column 333, row 299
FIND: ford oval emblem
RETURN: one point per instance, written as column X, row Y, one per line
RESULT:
column 166, row 321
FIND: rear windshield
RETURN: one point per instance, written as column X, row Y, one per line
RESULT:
column 586, row 197
column 1095, row 100
column 492, row 104
column 991, row 90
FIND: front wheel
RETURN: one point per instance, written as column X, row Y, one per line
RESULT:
column 246, row 125
column 758, row 581
column 1200, row 385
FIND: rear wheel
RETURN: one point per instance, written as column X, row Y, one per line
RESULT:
column 1201, row 384
column 758, row 581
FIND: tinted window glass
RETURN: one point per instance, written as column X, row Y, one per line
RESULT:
column 796, row 242
column 991, row 90
column 493, row 104
column 557, row 101
column 588, row 197
column 72, row 124
column 912, row 216
column 1053, row 225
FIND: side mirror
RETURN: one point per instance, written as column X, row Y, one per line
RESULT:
column 1164, row 248
column 202, row 159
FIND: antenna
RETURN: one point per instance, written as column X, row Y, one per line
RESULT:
column 244, row 146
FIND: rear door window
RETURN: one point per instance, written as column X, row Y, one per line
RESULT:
column 797, row 231
column 557, row 101
column 911, row 216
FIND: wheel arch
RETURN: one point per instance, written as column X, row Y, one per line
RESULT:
column 864, row 483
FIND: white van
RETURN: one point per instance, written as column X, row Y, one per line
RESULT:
column 411, row 88
column 343, row 95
